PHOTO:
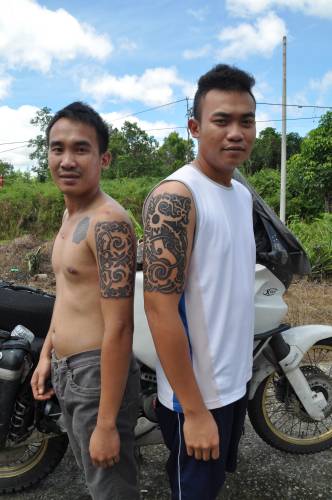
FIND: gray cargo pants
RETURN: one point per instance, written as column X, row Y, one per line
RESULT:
column 76, row 381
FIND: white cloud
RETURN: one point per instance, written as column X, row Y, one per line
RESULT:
column 159, row 129
column 261, row 89
column 5, row 83
column 198, row 14
column 324, row 84
column 197, row 53
column 263, row 120
column 15, row 126
column 127, row 45
column 34, row 36
column 246, row 39
column 153, row 88
column 244, row 8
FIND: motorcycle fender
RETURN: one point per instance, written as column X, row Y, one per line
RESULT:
column 262, row 369
column 304, row 337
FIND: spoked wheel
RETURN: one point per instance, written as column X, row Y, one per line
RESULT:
column 25, row 465
column 278, row 416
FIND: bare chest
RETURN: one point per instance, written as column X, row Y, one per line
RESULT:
column 71, row 259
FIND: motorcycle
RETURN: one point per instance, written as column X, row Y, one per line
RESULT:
column 290, row 400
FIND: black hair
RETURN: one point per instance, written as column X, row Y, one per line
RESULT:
column 81, row 112
column 222, row 77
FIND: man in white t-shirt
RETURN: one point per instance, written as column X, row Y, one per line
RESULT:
column 199, row 266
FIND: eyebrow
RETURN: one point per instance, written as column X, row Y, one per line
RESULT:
column 77, row 143
column 221, row 114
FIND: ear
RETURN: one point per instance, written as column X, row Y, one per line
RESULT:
column 194, row 127
column 106, row 159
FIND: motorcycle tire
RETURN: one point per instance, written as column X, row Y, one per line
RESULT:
column 27, row 465
column 278, row 416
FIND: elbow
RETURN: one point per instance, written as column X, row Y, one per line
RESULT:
column 120, row 328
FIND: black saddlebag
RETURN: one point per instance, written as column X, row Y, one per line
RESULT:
column 25, row 306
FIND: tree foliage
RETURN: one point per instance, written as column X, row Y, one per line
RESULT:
column 135, row 153
column 175, row 152
column 6, row 169
column 266, row 152
column 310, row 171
column 39, row 145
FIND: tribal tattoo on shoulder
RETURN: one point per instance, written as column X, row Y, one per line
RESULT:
column 81, row 230
column 166, row 243
column 116, row 256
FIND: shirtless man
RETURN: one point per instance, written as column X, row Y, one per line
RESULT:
column 88, row 348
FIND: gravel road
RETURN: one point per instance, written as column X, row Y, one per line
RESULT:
column 263, row 473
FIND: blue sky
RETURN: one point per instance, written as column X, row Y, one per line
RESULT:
column 127, row 56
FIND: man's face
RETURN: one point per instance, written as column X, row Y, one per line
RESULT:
column 74, row 158
column 226, row 131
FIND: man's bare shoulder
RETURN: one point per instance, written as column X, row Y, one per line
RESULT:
column 110, row 210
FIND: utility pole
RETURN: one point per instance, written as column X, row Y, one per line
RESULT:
column 283, row 137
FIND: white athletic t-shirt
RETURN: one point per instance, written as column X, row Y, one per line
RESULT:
column 217, row 305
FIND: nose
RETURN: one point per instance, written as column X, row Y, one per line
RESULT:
column 234, row 132
column 68, row 160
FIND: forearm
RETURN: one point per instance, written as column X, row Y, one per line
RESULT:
column 116, row 353
column 174, row 353
column 48, row 344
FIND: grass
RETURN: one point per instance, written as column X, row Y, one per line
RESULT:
column 309, row 302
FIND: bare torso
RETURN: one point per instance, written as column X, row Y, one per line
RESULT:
column 77, row 323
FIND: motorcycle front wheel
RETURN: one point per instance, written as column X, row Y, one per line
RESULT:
column 27, row 464
column 278, row 416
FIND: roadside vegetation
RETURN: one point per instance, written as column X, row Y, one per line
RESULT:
column 32, row 204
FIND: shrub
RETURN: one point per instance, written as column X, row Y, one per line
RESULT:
column 316, row 239
column 267, row 184
column 37, row 208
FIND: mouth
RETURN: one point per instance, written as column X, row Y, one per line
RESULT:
column 234, row 148
column 69, row 177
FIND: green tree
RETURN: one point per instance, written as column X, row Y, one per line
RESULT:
column 310, row 171
column 266, row 151
column 175, row 152
column 293, row 141
column 6, row 169
column 39, row 145
column 134, row 153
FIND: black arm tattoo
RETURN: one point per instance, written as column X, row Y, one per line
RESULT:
column 116, row 259
column 166, row 243
column 81, row 230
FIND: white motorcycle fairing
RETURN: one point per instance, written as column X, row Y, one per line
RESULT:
column 270, row 309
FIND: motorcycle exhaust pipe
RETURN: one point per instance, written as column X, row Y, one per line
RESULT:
column 13, row 351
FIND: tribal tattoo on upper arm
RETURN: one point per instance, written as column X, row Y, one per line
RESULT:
column 166, row 243
column 81, row 230
column 116, row 256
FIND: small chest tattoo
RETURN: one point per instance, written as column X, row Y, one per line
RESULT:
column 81, row 230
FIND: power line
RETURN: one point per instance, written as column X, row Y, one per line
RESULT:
column 149, row 109
column 12, row 149
column 191, row 99
column 164, row 128
column 288, row 119
column 14, row 142
column 294, row 105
